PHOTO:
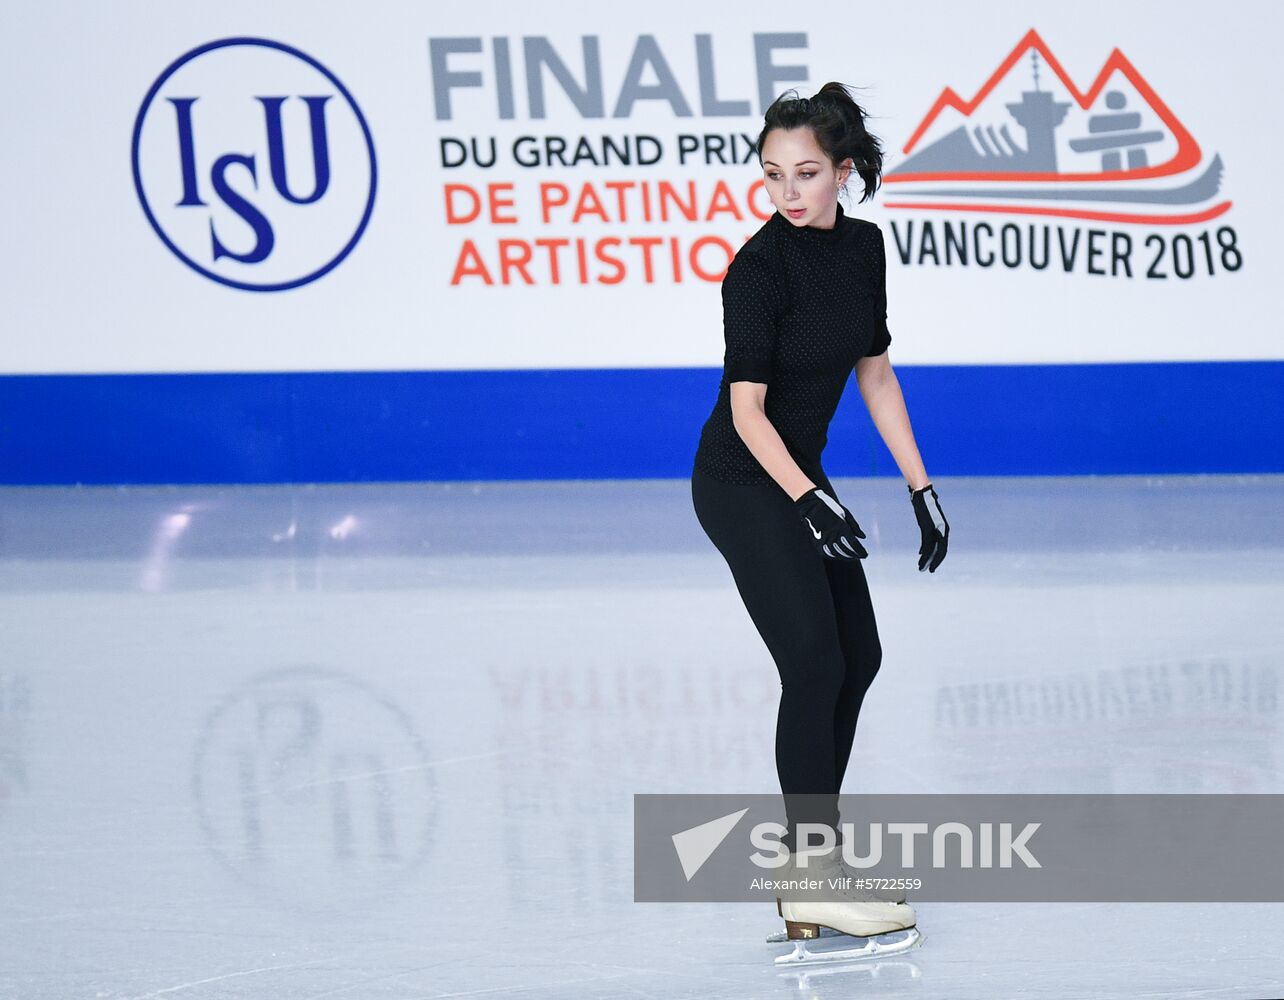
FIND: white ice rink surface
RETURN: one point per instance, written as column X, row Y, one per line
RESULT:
column 293, row 743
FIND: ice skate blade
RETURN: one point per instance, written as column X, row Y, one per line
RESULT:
column 836, row 947
column 782, row 936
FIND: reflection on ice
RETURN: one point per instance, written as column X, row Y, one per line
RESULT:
column 343, row 740
column 314, row 788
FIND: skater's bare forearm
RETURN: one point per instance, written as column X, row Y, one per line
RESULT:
column 760, row 436
column 881, row 391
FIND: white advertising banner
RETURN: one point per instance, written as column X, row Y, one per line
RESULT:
column 406, row 186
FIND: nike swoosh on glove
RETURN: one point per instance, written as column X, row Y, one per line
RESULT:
column 831, row 526
column 933, row 526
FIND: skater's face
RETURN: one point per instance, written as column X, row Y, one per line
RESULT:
column 801, row 181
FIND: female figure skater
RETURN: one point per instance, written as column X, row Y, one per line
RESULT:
column 804, row 303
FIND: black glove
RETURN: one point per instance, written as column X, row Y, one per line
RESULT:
column 932, row 523
column 833, row 530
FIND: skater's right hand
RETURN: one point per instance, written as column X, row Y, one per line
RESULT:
column 831, row 526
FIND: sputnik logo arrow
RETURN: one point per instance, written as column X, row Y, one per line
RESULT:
column 696, row 844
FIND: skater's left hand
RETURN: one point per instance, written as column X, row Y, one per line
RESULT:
column 932, row 523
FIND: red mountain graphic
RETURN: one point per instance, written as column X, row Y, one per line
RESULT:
column 1187, row 155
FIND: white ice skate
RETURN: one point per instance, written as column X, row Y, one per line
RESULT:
column 830, row 864
column 848, row 925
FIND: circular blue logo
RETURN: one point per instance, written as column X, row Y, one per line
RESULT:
column 254, row 164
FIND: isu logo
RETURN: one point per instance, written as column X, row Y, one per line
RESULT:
column 1031, row 143
column 254, row 164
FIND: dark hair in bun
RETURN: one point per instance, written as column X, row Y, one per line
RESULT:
column 839, row 126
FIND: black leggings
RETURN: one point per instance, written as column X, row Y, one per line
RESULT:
column 817, row 620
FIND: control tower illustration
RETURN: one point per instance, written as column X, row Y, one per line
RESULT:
column 983, row 150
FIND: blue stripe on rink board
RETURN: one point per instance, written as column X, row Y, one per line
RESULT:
column 1162, row 417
